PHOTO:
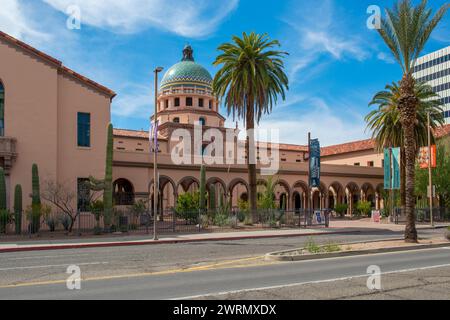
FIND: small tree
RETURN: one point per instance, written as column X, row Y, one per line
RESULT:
column 341, row 209
column 62, row 198
column 187, row 206
column 364, row 208
column 440, row 176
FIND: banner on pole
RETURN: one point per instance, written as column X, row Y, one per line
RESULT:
column 424, row 157
column 392, row 168
column 396, row 168
column 314, row 163
column 153, row 136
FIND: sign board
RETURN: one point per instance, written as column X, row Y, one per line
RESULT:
column 314, row 163
column 424, row 157
column 376, row 216
column 318, row 217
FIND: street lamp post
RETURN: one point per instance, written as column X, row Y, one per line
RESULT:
column 155, row 157
column 430, row 180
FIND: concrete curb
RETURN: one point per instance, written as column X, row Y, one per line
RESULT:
column 151, row 242
column 275, row 256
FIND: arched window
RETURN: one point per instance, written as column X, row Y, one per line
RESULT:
column 123, row 192
column 2, row 109
column 176, row 120
column 202, row 121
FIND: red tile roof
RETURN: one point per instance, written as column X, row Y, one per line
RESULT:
column 139, row 134
column 442, row 131
column 57, row 63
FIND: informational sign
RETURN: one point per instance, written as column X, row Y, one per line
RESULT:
column 314, row 163
column 424, row 157
column 392, row 168
column 376, row 216
column 319, row 217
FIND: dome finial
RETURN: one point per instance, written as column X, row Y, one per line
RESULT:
column 188, row 53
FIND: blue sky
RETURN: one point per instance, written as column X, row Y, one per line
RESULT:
column 335, row 65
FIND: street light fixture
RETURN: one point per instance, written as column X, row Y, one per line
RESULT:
column 155, row 156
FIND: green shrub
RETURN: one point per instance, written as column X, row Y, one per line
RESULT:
column 221, row 220
column 65, row 221
column 341, row 209
column 241, row 216
column 364, row 208
column 51, row 222
column 187, row 207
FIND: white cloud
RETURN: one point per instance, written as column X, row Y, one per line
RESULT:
column 388, row 58
column 137, row 102
column 315, row 116
column 15, row 22
column 317, row 30
column 189, row 18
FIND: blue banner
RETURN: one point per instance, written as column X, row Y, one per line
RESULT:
column 314, row 163
column 396, row 168
column 392, row 168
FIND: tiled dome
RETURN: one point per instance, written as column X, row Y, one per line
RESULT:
column 186, row 71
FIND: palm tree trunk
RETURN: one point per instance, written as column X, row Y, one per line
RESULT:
column 407, row 108
column 250, row 124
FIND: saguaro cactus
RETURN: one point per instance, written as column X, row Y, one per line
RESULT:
column 18, row 208
column 2, row 190
column 202, row 188
column 35, row 200
column 108, row 187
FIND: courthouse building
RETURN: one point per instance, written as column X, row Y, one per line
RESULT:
column 54, row 117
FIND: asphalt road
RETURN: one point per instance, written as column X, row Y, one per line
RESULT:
column 119, row 270
column 187, row 285
column 38, row 266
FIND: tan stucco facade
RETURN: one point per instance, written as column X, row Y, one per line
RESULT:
column 43, row 98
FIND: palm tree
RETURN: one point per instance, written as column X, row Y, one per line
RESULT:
column 384, row 122
column 251, row 78
column 405, row 30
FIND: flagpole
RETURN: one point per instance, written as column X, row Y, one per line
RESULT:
column 155, row 158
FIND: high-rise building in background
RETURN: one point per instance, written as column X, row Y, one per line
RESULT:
column 434, row 69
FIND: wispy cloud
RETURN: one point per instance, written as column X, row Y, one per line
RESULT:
column 189, row 18
column 388, row 58
column 15, row 21
column 137, row 102
column 317, row 32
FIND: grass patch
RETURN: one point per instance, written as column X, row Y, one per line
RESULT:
column 312, row 246
column 331, row 247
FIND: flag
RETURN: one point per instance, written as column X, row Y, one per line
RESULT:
column 153, row 137
column 314, row 163
column 423, row 157
column 392, row 168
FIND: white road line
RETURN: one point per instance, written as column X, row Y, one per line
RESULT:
column 53, row 266
column 307, row 282
column 45, row 257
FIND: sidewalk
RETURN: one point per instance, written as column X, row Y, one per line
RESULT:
column 336, row 227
